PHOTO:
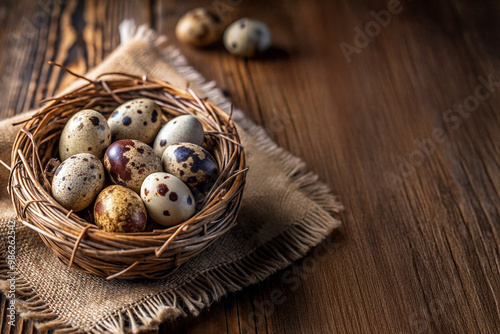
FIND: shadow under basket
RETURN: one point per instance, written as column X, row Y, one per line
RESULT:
column 72, row 236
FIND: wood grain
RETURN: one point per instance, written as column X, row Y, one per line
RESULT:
column 419, row 248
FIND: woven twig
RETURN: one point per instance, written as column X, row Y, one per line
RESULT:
column 76, row 240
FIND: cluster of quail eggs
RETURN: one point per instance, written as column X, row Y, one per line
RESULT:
column 245, row 37
column 130, row 167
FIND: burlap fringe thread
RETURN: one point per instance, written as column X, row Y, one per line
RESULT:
column 151, row 311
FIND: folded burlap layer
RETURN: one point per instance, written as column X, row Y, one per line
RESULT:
column 285, row 211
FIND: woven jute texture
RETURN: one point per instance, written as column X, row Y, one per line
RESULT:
column 285, row 211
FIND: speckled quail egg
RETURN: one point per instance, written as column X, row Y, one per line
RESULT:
column 128, row 162
column 191, row 163
column 168, row 200
column 136, row 119
column 247, row 37
column 86, row 132
column 198, row 27
column 180, row 129
column 77, row 181
column 119, row 209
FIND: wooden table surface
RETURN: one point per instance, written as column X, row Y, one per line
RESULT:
column 401, row 120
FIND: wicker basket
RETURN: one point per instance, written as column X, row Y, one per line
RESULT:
column 72, row 236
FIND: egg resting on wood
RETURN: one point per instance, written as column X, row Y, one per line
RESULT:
column 247, row 38
column 198, row 27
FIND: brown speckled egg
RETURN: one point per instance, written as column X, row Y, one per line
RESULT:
column 180, row 129
column 190, row 163
column 86, row 132
column 129, row 162
column 168, row 200
column 119, row 209
column 77, row 181
column 198, row 27
column 138, row 119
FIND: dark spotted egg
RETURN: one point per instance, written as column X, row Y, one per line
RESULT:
column 138, row 119
column 128, row 162
column 77, row 181
column 180, row 129
column 191, row 163
column 247, row 37
column 119, row 209
column 168, row 200
column 86, row 132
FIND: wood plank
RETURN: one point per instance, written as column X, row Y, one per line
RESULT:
column 395, row 91
column 77, row 34
column 418, row 251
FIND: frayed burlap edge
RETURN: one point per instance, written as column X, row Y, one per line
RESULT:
column 149, row 312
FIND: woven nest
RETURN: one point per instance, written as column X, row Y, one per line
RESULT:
column 73, row 236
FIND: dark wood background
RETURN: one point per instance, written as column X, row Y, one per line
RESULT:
column 419, row 248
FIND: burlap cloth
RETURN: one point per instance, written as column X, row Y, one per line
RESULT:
column 285, row 212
